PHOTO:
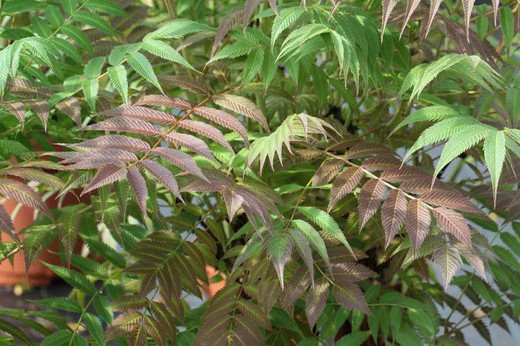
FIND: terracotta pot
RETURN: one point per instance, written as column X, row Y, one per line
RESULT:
column 213, row 287
column 38, row 275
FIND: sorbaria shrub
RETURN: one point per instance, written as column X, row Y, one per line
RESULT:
column 349, row 168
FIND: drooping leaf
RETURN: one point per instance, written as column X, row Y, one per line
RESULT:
column 454, row 223
column 393, row 214
column 417, row 222
column 449, row 261
column 494, row 156
column 370, row 198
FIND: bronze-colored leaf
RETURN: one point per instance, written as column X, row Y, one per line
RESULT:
column 316, row 300
column 138, row 184
column 393, row 214
column 327, row 172
column 417, row 222
column 344, row 184
column 370, row 198
column 453, row 223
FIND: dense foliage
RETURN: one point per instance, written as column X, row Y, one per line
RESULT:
column 341, row 164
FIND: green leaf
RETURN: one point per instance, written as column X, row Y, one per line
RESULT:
column 67, row 49
column 279, row 249
column 54, row 16
column 326, row 222
column 119, row 53
column 79, row 37
column 95, row 21
column 68, row 222
column 353, row 339
column 104, row 6
column 466, row 139
column 61, row 337
column 494, row 156
column 176, row 29
column 507, row 23
column 283, row 21
column 12, row 7
column 102, row 306
column 73, row 278
column 89, row 267
column 433, row 113
column 60, row 303
column 117, row 75
column 41, row 27
column 232, row 51
column 142, row 66
column 5, row 64
column 161, row 49
column 69, row 6
column 253, row 65
column 15, row 331
column 440, row 132
column 90, row 90
column 94, row 67
column 513, row 104
column 9, row 147
column 94, row 328
column 314, row 238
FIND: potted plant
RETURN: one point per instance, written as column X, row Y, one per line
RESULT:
column 312, row 172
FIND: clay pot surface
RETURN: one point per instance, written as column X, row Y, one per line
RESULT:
column 38, row 275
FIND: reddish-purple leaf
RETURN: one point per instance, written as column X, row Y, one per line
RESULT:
column 184, row 82
column 17, row 109
column 215, row 182
column 447, row 257
column 207, row 131
column 114, row 154
column 230, row 20
column 327, row 172
column 381, row 163
column 417, row 222
column 163, row 100
column 190, row 142
column 142, row 113
column 126, row 124
column 138, row 184
column 181, row 160
column 316, row 301
column 93, row 163
column 370, row 198
column 452, row 200
column 350, row 271
column 400, row 174
column 388, row 6
column 249, row 9
column 6, row 224
column 421, row 185
column 104, row 176
column 42, row 110
column 344, row 184
column 163, row 175
column 223, row 119
column 393, row 214
column 71, row 108
column 364, row 149
column 114, row 142
column 22, row 193
column 410, row 9
column 454, row 223
column 349, row 296
column 242, row 105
